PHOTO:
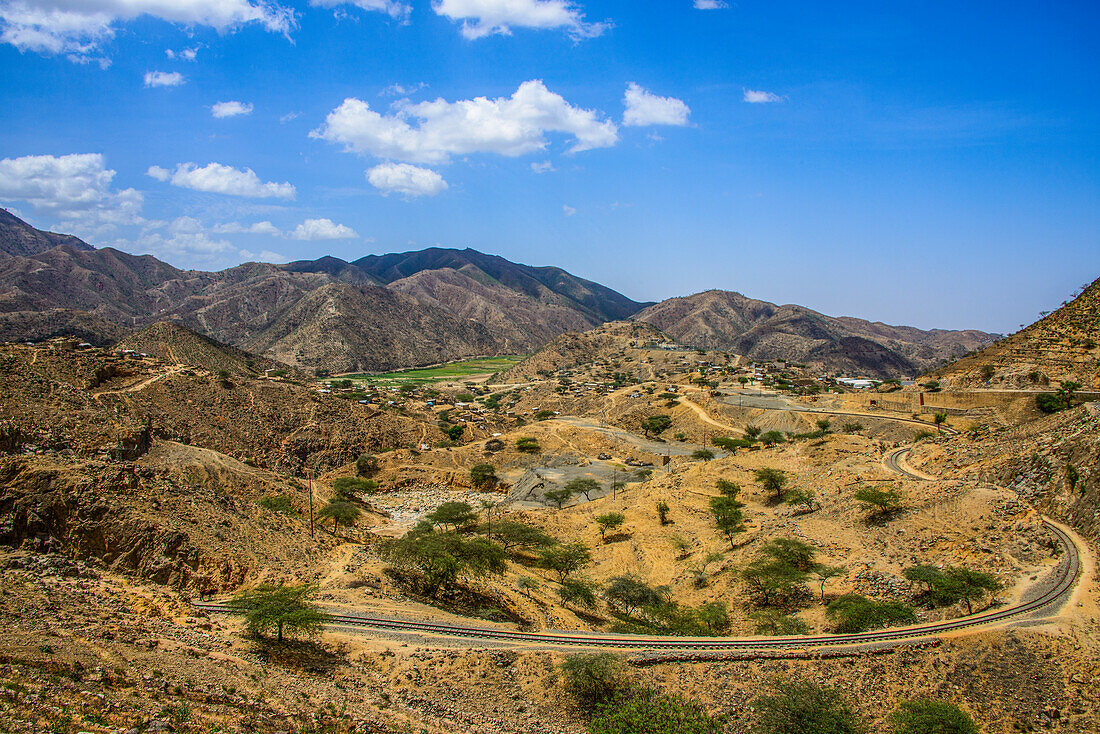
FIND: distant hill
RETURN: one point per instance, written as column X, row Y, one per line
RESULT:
column 548, row 285
column 1064, row 345
column 412, row 308
column 352, row 329
column 19, row 238
column 175, row 344
column 761, row 330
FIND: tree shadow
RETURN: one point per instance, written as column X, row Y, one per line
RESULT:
column 304, row 655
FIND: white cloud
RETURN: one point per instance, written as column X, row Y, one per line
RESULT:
column 482, row 18
column 400, row 90
column 164, row 79
column 74, row 190
column 644, row 108
column 78, row 27
column 187, row 54
column 711, row 4
column 265, row 227
column 759, row 97
column 231, row 109
column 509, row 126
column 568, row 210
column 407, row 180
column 543, row 167
column 221, row 179
column 393, row 8
column 289, row 116
column 322, row 229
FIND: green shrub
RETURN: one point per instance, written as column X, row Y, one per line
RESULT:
column 283, row 503
column 483, row 476
column 348, row 488
column 649, row 712
column 854, row 613
column 527, row 445
column 544, row 415
column 925, row 716
column 773, row 622
column 803, row 707
column 595, row 679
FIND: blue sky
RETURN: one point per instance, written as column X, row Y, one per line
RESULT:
column 925, row 164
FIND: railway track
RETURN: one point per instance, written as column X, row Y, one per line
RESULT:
column 1065, row 576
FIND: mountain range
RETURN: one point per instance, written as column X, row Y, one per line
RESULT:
column 405, row 309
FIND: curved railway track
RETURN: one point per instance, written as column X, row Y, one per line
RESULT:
column 1064, row 577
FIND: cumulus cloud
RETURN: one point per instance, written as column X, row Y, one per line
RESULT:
column 711, row 4
column 481, row 18
column 644, row 108
column 164, row 79
column 405, row 179
column 542, row 167
column 754, row 96
column 509, row 126
column 568, row 210
column 322, row 229
column 393, row 8
column 266, row 228
column 78, row 27
column 217, row 178
column 231, row 109
column 74, row 190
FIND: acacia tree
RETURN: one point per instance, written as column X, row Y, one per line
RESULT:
column 559, row 496
column 727, row 517
column 457, row 515
column 884, row 502
column 656, row 423
column 483, row 476
column 772, row 480
column 285, row 609
column 583, row 485
column 565, row 558
column 342, row 513
column 440, row 558
column 824, row 572
column 610, row 521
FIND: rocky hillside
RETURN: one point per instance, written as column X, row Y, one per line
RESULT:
column 19, row 238
column 574, row 349
column 350, row 329
column 174, row 344
column 1064, row 345
column 35, row 326
column 762, row 330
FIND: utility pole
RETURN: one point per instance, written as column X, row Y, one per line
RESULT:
column 310, row 475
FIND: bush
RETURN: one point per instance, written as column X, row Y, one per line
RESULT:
column 653, row 713
column 283, row 503
column 483, row 476
column 579, row 591
column 854, row 613
column 594, row 679
column 348, row 488
column 527, row 445
column 656, row 423
column 442, row 558
column 630, row 593
column 565, row 558
column 284, row 609
column 852, row 427
column 704, row 454
column 884, row 502
column 803, row 707
column 366, row 465
column 544, row 415
column 662, row 512
column 771, row 438
column 773, row 622
column 924, row 716
column 341, row 513
column 610, row 521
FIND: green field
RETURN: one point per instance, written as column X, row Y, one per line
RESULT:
column 442, row 373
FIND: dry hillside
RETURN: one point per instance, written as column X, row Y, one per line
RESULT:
column 1062, row 346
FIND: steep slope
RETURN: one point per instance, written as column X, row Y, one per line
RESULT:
column 1064, row 345
column 519, row 322
column 763, row 330
column 19, row 238
column 344, row 328
column 541, row 283
column 178, row 345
